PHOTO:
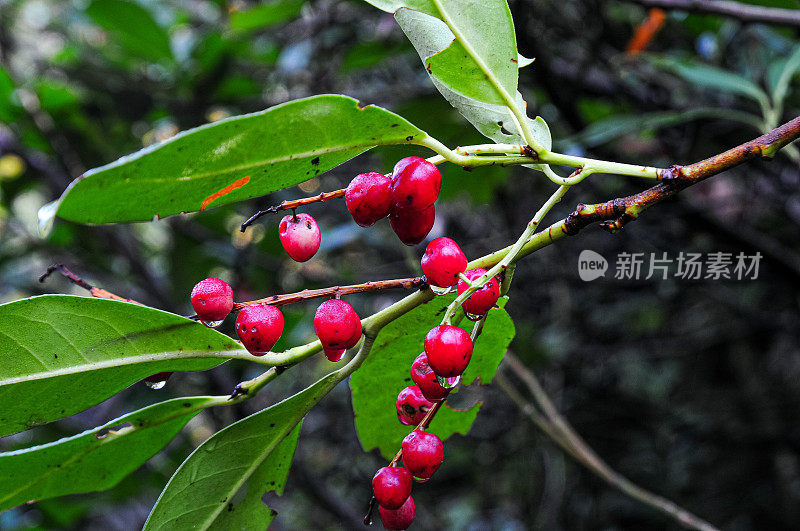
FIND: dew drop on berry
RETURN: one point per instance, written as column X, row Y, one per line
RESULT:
column 472, row 316
column 212, row 324
column 437, row 290
column 156, row 385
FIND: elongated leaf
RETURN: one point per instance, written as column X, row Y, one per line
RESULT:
column 780, row 74
column 61, row 354
column 133, row 27
column 429, row 35
column 238, row 457
column 231, row 160
column 387, row 371
column 96, row 459
column 265, row 15
column 711, row 77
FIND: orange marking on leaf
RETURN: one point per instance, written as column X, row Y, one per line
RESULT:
column 238, row 183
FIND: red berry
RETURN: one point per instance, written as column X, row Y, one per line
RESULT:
column 411, row 226
column 415, row 183
column 398, row 519
column 259, row 326
column 333, row 354
column 422, row 453
column 425, row 378
column 412, row 406
column 449, row 349
column 337, row 325
column 212, row 299
column 300, row 236
column 482, row 300
column 442, row 262
column 369, row 198
column 392, row 486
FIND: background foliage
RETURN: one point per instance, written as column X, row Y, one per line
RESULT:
column 689, row 388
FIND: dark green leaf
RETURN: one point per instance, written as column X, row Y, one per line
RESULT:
column 96, row 459
column 266, row 14
column 231, row 160
column 239, row 457
column 61, row 354
column 387, row 371
column 133, row 27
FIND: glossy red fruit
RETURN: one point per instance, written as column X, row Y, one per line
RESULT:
column 369, row 198
column 300, row 236
column 398, row 519
column 212, row 299
column 442, row 262
column 259, row 326
column 482, row 300
column 449, row 349
column 422, row 453
column 412, row 406
column 337, row 325
column 415, row 183
column 411, row 226
column 392, row 486
column 425, row 378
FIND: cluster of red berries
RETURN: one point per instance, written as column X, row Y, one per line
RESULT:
column 407, row 196
column 448, row 350
column 259, row 326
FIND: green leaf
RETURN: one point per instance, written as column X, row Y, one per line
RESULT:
column 61, row 354
column 96, row 459
column 429, row 35
column 231, row 160
column 711, row 77
column 387, row 371
column 241, row 456
column 265, row 15
column 133, row 27
column 9, row 109
column 780, row 74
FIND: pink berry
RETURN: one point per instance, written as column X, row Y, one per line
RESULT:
column 259, row 326
column 415, row 183
column 337, row 325
column 369, row 198
column 449, row 349
column 412, row 406
column 482, row 300
column 212, row 299
column 425, row 378
column 398, row 519
column 392, row 486
column 411, row 226
column 442, row 262
column 300, row 236
column 422, row 453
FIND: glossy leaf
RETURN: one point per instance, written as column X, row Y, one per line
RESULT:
column 265, row 15
column 133, row 27
column 245, row 455
column 231, row 160
column 96, row 459
column 61, row 354
column 387, row 371
column 429, row 35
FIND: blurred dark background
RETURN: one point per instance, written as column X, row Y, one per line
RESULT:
column 689, row 388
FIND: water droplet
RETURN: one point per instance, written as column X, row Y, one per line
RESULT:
column 472, row 316
column 254, row 330
column 155, row 385
column 212, row 324
column 438, row 290
column 448, row 383
column 46, row 216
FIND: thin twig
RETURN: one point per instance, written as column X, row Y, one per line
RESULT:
column 569, row 439
column 727, row 8
column 100, row 293
column 290, row 205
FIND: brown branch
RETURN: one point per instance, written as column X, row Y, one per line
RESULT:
column 100, row 293
column 335, row 291
column 616, row 213
column 291, row 205
column 727, row 8
column 563, row 434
